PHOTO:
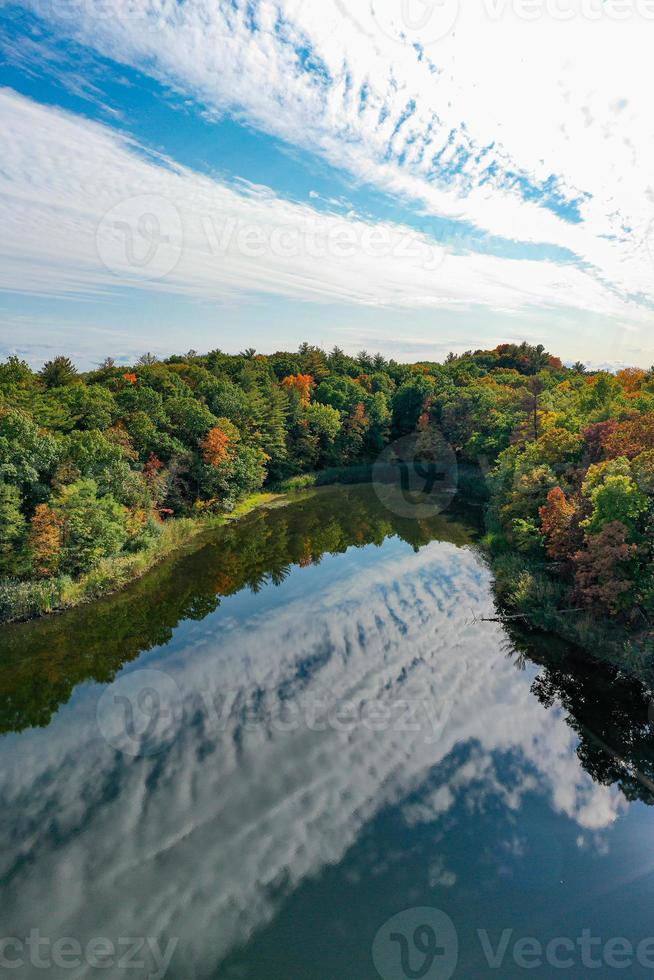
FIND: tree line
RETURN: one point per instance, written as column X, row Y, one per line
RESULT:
column 93, row 465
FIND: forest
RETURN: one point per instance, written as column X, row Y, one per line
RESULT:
column 103, row 472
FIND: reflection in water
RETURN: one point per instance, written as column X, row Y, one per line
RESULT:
column 42, row 664
column 611, row 714
column 354, row 740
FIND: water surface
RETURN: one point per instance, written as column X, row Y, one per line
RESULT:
column 266, row 750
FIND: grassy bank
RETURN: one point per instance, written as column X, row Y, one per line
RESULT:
column 470, row 480
column 28, row 599
column 22, row 600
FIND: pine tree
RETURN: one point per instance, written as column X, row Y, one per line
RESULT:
column 57, row 373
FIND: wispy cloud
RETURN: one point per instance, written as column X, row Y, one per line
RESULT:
column 86, row 210
column 514, row 124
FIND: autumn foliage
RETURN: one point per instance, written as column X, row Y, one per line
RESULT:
column 45, row 540
column 602, row 567
column 595, row 437
column 152, row 467
column 631, row 437
column 215, row 447
column 631, row 379
column 557, row 517
column 302, row 383
column 91, row 463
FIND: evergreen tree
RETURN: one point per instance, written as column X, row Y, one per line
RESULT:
column 57, row 373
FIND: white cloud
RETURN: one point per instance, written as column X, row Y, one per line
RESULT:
column 86, row 210
column 523, row 108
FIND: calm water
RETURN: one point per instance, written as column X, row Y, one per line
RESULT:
column 298, row 753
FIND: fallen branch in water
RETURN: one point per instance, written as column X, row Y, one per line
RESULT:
column 527, row 616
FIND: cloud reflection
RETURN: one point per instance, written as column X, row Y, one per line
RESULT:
column 196, row 841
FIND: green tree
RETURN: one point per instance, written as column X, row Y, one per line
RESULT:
column 28, row 455
column 189, row 420
column 93, row 527
column 409, row 402
column 12, row 529
column 323, row 424
column 92, row 452
column 616, row 499
column 59, row 372
column 342, row 393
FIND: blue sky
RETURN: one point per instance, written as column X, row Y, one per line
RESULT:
column 203, row 174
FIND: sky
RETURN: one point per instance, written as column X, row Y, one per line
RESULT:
column 409, row 176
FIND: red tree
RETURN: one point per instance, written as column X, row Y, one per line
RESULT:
column 631, row 437
column 595, row 436
column 559, row 525
column 603, row 577
column 45, row 540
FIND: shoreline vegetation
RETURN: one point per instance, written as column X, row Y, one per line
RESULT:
column 105, row 474
column 23, row 601
column 42, row 663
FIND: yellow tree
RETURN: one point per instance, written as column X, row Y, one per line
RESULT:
column 302, row 383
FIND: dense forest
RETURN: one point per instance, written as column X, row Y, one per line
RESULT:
column 99, row 471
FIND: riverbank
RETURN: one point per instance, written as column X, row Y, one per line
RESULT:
column 528, row 592
column 24, row 600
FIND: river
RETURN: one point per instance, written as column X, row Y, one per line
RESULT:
column 301, row 752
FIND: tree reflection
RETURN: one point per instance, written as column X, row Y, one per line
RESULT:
column 609, row 711
column 43, row 661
